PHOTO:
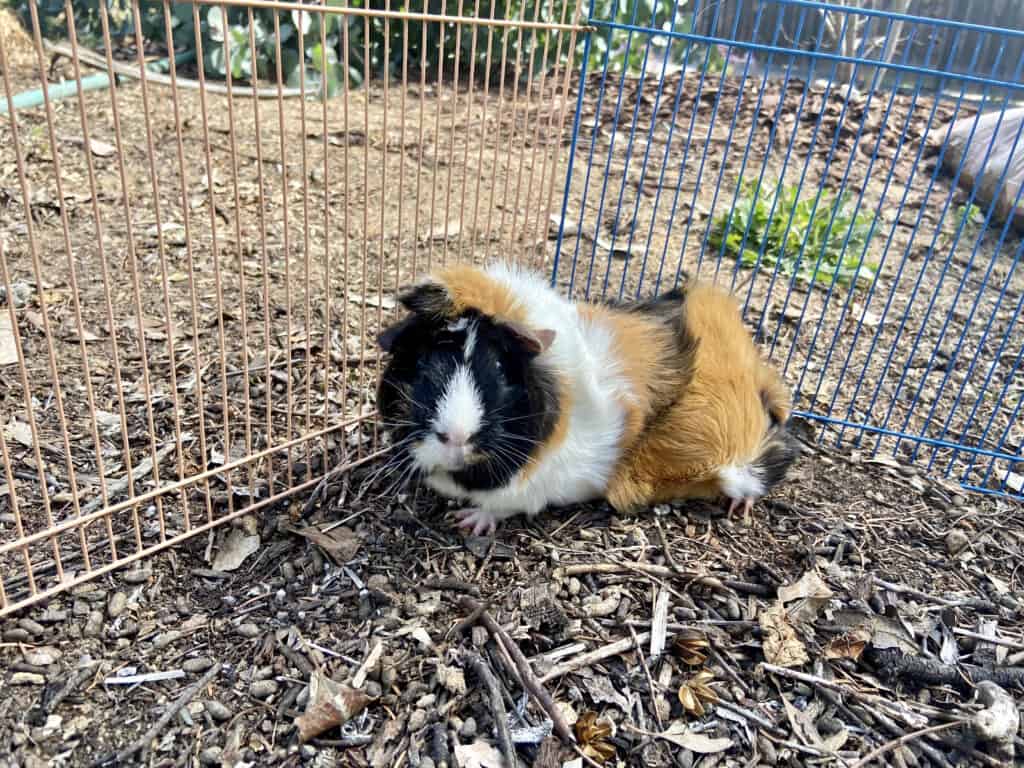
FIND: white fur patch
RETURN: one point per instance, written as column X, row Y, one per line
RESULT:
column 460, row 411
column 467, row 350
column 740, row 482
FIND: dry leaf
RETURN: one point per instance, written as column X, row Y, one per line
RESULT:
column 101, row 148
column 330, row 704
column 848, row 646
column 690, row 646
column 479, row 754
column 340, row 544
column 19, row 432
column 452, row 678
column 678, row 733
column 885, row 632
column 593, row 737
column 235, row 549
column 781, row 645
column 811, row 592
column 8, row 349
column 696, row 691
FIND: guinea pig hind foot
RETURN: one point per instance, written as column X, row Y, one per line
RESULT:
column 747, row 502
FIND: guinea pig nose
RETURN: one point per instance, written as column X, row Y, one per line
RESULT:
column 442, row 436
column 458, row 437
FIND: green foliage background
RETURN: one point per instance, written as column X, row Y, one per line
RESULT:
column 375, row 45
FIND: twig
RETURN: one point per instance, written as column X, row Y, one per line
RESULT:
column 530, row 681
column 895, row 663
column 752, row 716
column 453, row 585
column 70, row 686
column 320, row 491
column 905, row 738
column 496, row 703
column 142, row 744
column 977, row 604
column 587, row 659
column 910, row 718
column 147, row 677
column 1016, row 645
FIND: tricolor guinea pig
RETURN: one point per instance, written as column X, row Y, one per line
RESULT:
column 506, row 394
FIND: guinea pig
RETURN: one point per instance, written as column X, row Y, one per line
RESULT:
column 504, row 393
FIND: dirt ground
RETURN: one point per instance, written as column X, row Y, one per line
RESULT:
column 219, row 299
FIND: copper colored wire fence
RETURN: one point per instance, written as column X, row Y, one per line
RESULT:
column 196, row 276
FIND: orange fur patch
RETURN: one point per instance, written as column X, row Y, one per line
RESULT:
column 471, row 288
column 718, row 419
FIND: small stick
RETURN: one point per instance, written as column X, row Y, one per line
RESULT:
column 142, row 744
column 69, row 687
column 980, row 605
column 586, row 659
column 530, row 681
column 664, row 572
column 752, row 716
column 907, row 737
column 453, row 585
column 496, row 703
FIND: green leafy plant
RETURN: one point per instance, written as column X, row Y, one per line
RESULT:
column 780, row 220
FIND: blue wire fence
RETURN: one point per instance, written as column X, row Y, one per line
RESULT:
column 796, row 151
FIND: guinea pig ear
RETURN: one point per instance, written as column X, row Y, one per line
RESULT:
column 428, row 298
column 390, row 335
column 533, row 341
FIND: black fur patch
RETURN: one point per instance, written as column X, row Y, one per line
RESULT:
column 427, row 299
column 780, row 451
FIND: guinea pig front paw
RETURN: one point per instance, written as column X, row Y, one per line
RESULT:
column 480, row 520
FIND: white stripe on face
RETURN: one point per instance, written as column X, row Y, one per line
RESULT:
column 460, row 411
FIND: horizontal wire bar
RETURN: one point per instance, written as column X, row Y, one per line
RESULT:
column 89, row 575
column 833, row 57
column 908, row 437
column 439, row 18
column 177, row 485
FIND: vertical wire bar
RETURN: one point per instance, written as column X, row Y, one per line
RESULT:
column 535, row 149
column 281, row 127
column 378, row 352
column 187, row 221
column 437, row 138
column 58, row 393
column 881, row 200
column 486, row 93
column 451, row 137
column 243, row 296
column 497, row 138
column 5, row 456
column 514, row 119
column 306, row 246
column 903, row 260
column 465, row 154
column 1007, row 382
column 540, row 236
column 416, row 234
column 566, row 80
column 327, row 223
column 401, row 163
column 525, row 132
column 629, row 152
column 261, row 199
column 363, row 287
column 218, row 282
column 105, row 277
column 164, row 282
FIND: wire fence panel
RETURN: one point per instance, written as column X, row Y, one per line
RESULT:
column 194, row 273
column 796, row 151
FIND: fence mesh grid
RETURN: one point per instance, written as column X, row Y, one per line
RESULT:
column 194, row 273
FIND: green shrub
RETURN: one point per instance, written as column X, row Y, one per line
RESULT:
column 327, row 66
column 780, row 234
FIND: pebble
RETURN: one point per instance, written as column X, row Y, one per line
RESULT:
column 93, row 625
column 42, row 657
column 248, row 630
column 53, row 616
column 426, row 702
column 956, row 542
column 263, row 689
column 32, row 627
column 164, row 639
column 136, row 576
column 373, row 689
column 468, row 729
column 27, row 678
column 377, row 581
column 17, row 635
column 574, row 586
column 80, row 608
column 210, row 756
column 426, row 762
column 192, row 666
column 307, row 751
column 118, row 602
column 768, row 753
column 417, row 720
column 388, row 676
column 288, row 571
column 218, row 711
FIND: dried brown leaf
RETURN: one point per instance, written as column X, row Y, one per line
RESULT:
column 593, row 737
column 330, row 704
column 690, row 645
column 849, row 645
column 679, row 734
column 340, row 544
column 696, row 691
column 236, row 548
column 781, row 645
column 19, row 432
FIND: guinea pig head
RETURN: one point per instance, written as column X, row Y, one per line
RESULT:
column 463, row 392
